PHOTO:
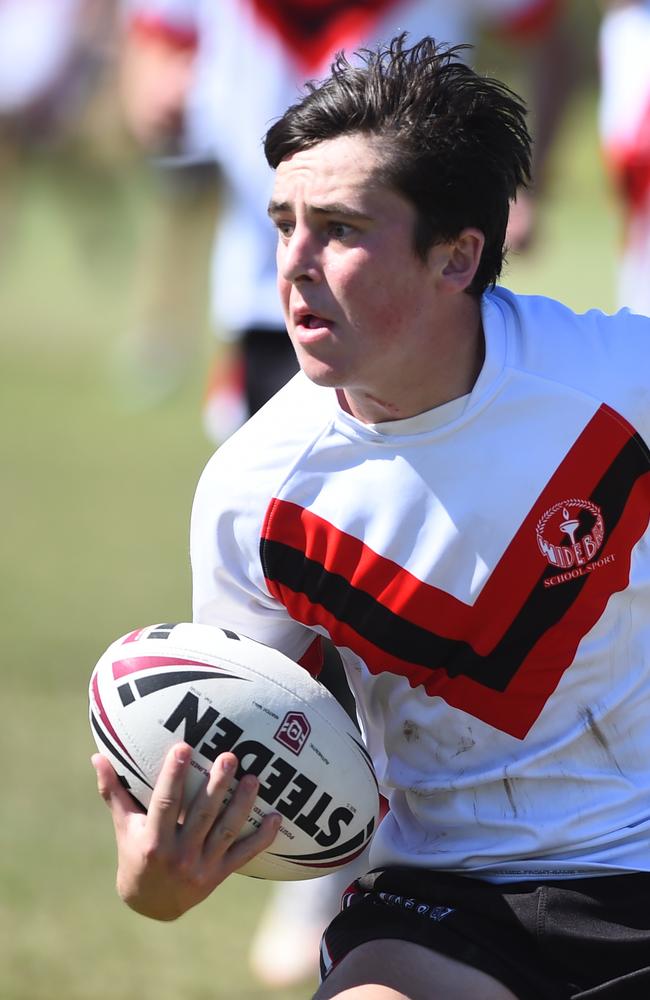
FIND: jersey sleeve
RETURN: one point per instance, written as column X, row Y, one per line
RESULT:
column 627, row 363
column 604, row 356
column 227, row 577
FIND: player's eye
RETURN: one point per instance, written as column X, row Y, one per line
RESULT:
column 285, row 228
column 339, row 230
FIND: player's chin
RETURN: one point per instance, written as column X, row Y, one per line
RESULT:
column 320, row 369
column 323, row 376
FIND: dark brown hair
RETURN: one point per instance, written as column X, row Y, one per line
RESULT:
column 453, row 142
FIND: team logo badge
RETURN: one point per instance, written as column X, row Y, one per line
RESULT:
column 570, row 533
column 293, row 731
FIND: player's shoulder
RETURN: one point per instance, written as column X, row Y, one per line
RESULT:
column 269, row 444
column 543, row 329
column 601, row 354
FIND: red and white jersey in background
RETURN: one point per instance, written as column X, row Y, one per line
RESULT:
column 37, row 39
column 253, row 57
column 625, row 132
column 484, row 570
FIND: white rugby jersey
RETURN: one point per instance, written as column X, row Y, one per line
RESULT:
column 484, row 570
column 253, row 57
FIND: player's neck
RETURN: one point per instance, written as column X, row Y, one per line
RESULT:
column 447, row 371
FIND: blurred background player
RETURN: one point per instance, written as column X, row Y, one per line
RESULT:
column 625, row 133
column 159, row 74
column 202, row 82
column 55, row 59
column 207, row 78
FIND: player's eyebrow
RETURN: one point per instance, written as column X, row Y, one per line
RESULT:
column 278, row 208
column 334, row 208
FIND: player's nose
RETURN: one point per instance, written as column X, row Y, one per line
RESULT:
column 299, row 259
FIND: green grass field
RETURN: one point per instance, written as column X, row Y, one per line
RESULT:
column 96, row 506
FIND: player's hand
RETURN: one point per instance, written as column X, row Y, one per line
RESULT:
column 165, row 868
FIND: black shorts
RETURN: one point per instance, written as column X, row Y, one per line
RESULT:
column 545, row 940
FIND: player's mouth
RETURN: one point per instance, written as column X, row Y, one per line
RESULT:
column 310, row 326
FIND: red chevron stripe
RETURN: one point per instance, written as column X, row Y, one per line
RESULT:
column 517, row 708
column 484, row 624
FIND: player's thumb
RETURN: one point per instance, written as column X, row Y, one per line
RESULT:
column 111, row 790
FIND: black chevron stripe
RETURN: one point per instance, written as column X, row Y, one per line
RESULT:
column 414, row 644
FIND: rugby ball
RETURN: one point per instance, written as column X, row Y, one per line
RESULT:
column 218, row 691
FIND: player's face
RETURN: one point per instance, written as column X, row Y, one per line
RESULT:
column 359, row 304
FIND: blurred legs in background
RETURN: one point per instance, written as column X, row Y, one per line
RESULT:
column 285, row 947
column 245, row 374
column 156, row 353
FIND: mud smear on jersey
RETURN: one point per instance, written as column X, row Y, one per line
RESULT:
column 587, row 717
column 411, row 731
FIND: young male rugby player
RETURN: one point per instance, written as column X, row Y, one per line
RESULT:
column 456, row 490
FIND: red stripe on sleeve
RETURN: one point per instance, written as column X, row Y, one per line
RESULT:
column 312, row 658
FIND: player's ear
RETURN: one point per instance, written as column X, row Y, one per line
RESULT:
column 462, row 259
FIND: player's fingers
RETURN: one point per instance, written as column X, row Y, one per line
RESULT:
column 167, row 796
column 209, row 800
column 247, row 848
column 231, row 821
column 109, row 786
